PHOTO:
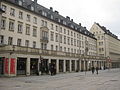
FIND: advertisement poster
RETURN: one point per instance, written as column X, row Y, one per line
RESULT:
column 12, row 66
column 6, row 65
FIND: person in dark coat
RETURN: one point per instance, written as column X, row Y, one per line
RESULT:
column 93, row 69
column 51, row 69
column 97, row 70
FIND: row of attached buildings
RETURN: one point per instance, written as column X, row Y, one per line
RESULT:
column 33, row 37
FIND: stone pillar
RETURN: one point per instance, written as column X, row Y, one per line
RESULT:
column 28, row 66
column 57, row 65
column 80, row 65
column 84, row 68
column 75, row 65
column 64, row 63
column 70, row 66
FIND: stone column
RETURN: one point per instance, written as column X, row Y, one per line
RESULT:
column 84, row 65
column 80, row 65
column 28, row 66
column 70, row 66
column 57, row 65
column 64, row 63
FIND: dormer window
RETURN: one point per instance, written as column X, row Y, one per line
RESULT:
column 51, row 16
column 64, row 22
column 20, row 2
column 32, row 8
column 4, row 8
column 44, row 13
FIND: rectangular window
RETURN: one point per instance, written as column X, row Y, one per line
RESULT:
column 68, row 41
column 27, row 43
column 34, row 44
column 20, row 27
column 27, row 29
column 71, row 41
column 52, row 26
column 64, row 31
column 12, row 12
column 4, row 8
column 56, row 28
column 46, row 23
column 60, row 38
column 11, row 25
column 1, row 39
column 60, row 29
column 34, row 32
column 35, row 20
column 3, row 23
column 28, row 17
column 20, row 15
column 64, row 39
column 56, row 37
column 10, row 40
column 19, row 42
column 52, row 36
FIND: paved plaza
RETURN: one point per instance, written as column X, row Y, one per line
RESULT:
column 105, row 80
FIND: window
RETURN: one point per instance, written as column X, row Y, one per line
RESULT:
column 20, row 27
column 12, row 12
column 35, row 20
column 56, row 37
column 1, row 39
column 4, row 8
column 60, row 38
column 68, row 40
column 19, row 42
column 56, row 28
column 10, row 40
column 61, row 48
column 34, row 32
column 71, row 41
column 34, row 44
column 11, row 25
column 52, row 36
column 71, row 50
column 64, row 49
column 3, row 23
column 20, row 2
column 74, row 42
column 27, row 29
column 44, row 23
column 20, row 15
column 44, row 35
column 74, row 34
column 56, row 48
column 64, row 39
column 52, row 26
column 68, row 32
column 27, row 43
column 68, row 49
column 64, row 31
column 28, row 17
column 51, row 47
column 71, row 33
column 60, row 29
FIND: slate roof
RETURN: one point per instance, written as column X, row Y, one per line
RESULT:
column 108, row 32
column 51, row 15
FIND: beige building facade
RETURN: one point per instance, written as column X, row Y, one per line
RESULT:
column 33, row 37
column 108, row 45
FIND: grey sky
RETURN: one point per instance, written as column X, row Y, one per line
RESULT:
column 104, row 12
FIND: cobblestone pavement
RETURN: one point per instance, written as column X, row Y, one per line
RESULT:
column 105, row 80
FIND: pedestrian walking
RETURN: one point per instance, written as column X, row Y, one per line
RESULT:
column 93, row 69
column 97, row 70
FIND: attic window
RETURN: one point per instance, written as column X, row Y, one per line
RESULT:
column 20, row 2
column 32, row 8
column 44, row 13
column 64, row 22
column 51, row 16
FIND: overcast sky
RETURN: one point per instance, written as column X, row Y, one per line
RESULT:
column 86, row 12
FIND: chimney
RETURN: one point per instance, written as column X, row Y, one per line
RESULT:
column 56, row 12
column 68, row 17
column 51, row 8
column 79, row 24
column 72, row 20
column 35, row 4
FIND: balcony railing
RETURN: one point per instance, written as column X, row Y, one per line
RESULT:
column 28, row 50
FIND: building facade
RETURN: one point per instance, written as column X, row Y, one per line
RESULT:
column 32, row 37
column 108, row 45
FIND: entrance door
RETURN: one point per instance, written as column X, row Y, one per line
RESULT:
column 21, row 66
column 33, row 66
column 1, row 65
column 61, row 66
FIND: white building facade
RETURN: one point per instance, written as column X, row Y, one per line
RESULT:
column 32, row 37
column 108, row 45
